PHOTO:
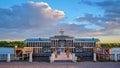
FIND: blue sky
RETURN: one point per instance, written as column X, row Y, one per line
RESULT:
column 21, row 19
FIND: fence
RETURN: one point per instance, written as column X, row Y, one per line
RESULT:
column 107, row 57
column 3, row 57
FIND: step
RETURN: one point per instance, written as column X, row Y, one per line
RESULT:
column 63, row 61
column 63, row 56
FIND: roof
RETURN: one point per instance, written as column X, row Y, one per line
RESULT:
column 61, row 36
column 38, row 39
column 87, row 39
column 76, row 39
column 6, row 50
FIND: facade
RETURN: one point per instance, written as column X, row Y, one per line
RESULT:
column 46, row 46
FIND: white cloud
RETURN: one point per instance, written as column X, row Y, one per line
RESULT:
column 31, row 14
column 110, row 21
column 28, row 18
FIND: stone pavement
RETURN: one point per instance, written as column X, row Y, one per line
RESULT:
column 60, row 65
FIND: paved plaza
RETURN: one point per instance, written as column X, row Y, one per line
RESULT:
column 60, row 65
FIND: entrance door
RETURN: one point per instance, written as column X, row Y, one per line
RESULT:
column 62, row 43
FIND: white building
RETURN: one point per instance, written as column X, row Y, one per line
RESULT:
column 4, row 52
column 46, row 46
column 116, row 52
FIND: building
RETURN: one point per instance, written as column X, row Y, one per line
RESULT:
column 108, row 54
column 45, row 46
column 116, row 53
column 4, row 52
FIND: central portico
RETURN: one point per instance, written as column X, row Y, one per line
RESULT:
column 62, row 42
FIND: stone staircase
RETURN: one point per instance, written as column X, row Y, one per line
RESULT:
column 63, row 57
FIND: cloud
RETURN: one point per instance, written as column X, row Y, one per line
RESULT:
column 28, row 18
column 38, row 19
column 29, row 15
column 72, row 29
column 87, row 18
column 110, row 21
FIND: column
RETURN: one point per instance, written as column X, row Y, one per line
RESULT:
column 110, row 51
column 57, row 43
column 115, row 57
column 52, row 58
column 30, row 57
column 15, row 52
column 94, row 57
column 8, row 57
column 73, row 57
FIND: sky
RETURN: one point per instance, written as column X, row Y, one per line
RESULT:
column 21, row 19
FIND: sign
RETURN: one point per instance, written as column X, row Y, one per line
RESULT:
column 27, row 50
column 106, row 51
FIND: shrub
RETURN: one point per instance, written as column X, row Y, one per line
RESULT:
column 78, row 59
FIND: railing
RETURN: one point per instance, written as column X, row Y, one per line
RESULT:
column 3, row 57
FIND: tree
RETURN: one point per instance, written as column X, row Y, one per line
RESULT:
column 11, row 43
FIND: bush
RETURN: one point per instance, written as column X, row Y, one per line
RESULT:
column 78, row 59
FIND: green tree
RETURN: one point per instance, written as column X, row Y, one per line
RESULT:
column 11, row 43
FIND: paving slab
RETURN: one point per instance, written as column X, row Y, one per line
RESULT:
column 60, row 65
